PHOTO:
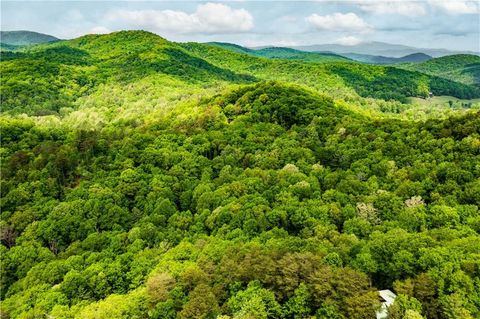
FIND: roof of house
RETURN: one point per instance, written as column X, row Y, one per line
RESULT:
column 387, row 295
column 387, row 298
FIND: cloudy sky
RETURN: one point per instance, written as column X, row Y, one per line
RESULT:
column 450, row 24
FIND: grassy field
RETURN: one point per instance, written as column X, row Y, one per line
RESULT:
column 446, row 101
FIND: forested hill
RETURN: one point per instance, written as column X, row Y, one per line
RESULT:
column 284, row 53
column 143, row 178
column 378, row 59
column 25, row 37
column 62, row 72
column 463, row 68
column 376, row 81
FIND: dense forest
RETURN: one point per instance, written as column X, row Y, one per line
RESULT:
column 462, row 68
column 143, row 178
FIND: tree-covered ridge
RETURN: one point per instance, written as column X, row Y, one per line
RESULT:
column 464, row 68
column 47, row 78
column 178, row 182
column 283, row 53
column 376, row 81
column 379, row 83
column 21, row 38
column 242, row 207
column 8, row 47
column 378, row 59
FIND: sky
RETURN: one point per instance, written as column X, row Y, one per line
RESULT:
column 448, row 24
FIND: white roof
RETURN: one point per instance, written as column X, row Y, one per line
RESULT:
column 389, row 297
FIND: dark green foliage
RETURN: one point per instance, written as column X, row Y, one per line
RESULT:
column 264, row 200
column 276, row 103
column 464, row 68
column 380, row 82
column 389, row 83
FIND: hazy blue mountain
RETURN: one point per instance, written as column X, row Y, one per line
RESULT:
column 378, row 59
column 377, row 48
column 284, row 53
column 25, row 37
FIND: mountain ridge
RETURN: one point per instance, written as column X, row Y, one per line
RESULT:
column 67, row 70
column 24, row 37
column 283, row 53
column 144, row 178
column 378, row 59
column 378, row 48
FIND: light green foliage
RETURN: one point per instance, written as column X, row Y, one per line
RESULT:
column 131, row 306
column 404, row 307
column 254, row 302
column 166, row 186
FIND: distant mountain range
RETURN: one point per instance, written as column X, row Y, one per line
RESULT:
column 368, row 52
column 294, row 54
column 378, row 59
column 18, row 38
column 283, row 53
column 378, row 49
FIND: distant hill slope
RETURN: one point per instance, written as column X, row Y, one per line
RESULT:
column 463, row 68
column 25, row 37
column 382, row 82
column 376, row 59
column 284, row 53
column 47, row 78
column 375, row 48
column 8, row 47
column 155, row 181
column 233, row 47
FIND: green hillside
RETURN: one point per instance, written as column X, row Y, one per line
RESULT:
column 143, row 178
column 283, row 53
column 65, row 71
column 60, row 73
column 8, row 47
column 376, row 59
column 375, row 81
column 464, row 68
column 25, row 37
column 233, row 47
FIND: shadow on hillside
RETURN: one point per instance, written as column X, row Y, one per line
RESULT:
column 473, row 70
column 178, row 64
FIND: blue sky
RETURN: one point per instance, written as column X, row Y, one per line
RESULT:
column 450, row 24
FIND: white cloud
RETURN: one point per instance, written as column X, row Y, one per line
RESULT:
column 99, row 30
column 339, row 22
column 457, row 6
column 77, row 31
column 208, row 18
column 348, row 40
column 269, row 43
column 396, row 7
